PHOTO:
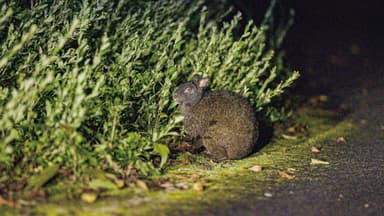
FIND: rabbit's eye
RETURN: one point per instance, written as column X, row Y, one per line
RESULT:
column 188, row 90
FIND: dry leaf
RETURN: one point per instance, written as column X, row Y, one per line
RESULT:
column 323, row 98
column 314, row 149
column 286, row 175
column 316, row 161
column 181, row 185
column 41, row 193
column 289, row 137
column 119, row 183
column 185, row 161
column 194, row 177
column 141, row 184
column 313, row 101
column 168, row 186
column 256, row 168
column 26, row 203
column 283, row 149
column 2, row 201
column 89, row 197
column 65, row 171
column 340, row 140
column 291, row 130
column 11, row 203
column 199, row 186
column 344, row 107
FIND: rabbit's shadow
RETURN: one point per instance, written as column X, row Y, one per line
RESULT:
column 265, row 135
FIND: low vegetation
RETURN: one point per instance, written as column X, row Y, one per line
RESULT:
column 88, row 84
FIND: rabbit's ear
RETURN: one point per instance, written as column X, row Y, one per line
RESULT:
column 195, row 79
column 203, row 83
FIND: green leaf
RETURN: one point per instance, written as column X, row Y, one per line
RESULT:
column 163, row 150
column 39, row 180
column 178, row 119
column 102, row 183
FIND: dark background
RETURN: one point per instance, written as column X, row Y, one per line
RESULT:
column 332, row 42
column 325, row 19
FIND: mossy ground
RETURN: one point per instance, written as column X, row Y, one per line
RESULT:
column 222, row 182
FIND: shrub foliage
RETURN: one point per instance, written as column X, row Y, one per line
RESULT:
column 90, row 83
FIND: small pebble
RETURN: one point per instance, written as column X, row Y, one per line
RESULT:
column 366, row 205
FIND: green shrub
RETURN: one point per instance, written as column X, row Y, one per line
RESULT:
column 90, row 84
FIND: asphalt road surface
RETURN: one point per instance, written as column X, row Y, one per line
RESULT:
column 350, row 72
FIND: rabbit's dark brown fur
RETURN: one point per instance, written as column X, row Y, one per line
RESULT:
column 224, row 121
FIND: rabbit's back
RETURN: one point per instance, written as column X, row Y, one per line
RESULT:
column 226, row 123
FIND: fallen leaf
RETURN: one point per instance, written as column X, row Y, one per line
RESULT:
column 119, row 183
column 286, row 175
column 267, row 194
column 317, row 100
column 194, row 176
column 111, row 176
column 89, row 197
column 256, row 168
column 289, row 137
column 316, row 161
column 199, row 186
column 168, row 186
column 26, row 203
column 323, row 98
column 141, row 184
column 344, row 107
column 10, row 202
column 313, row 101
column 41, row 193
column 65, row 171
column 2, row 201
column 291, row 169
column 283, row 149
column 314, row 149
column 181, row 185
column 185, row 161
column 291, row 130
column 340, row 140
